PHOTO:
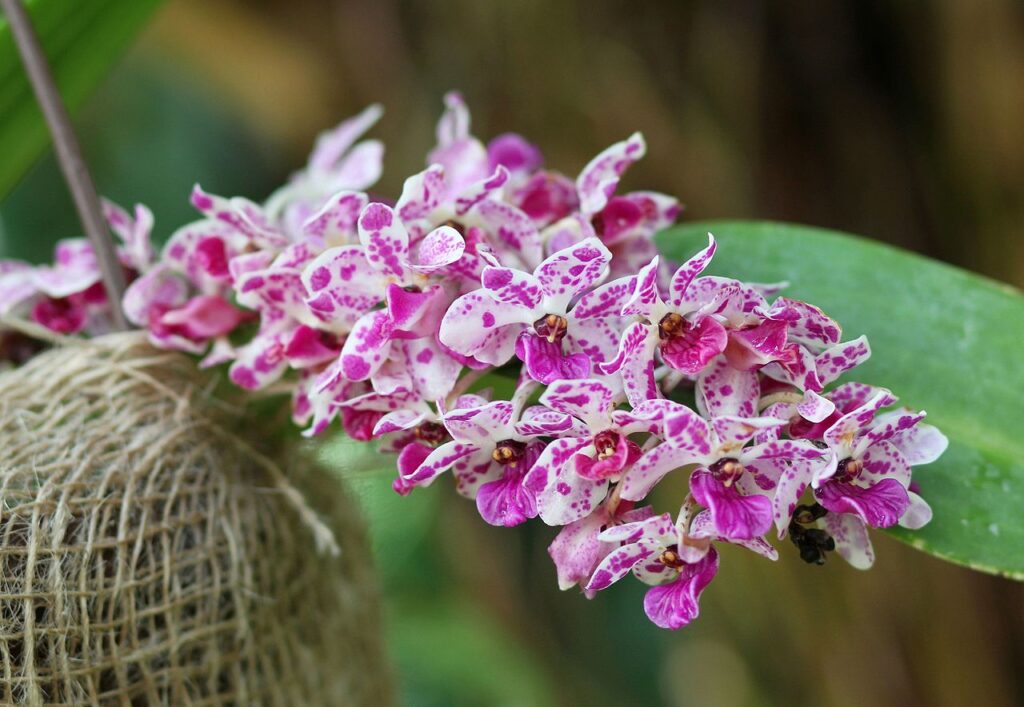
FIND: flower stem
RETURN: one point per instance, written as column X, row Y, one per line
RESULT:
column 69, row 154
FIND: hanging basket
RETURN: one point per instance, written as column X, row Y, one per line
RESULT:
column 155, row 548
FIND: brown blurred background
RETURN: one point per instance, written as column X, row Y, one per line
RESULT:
column 901, row 121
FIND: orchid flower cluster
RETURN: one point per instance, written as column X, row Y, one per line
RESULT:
column 392, row 317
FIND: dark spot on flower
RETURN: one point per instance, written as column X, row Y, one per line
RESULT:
column 432, row 433
column 551, row 327
column 508, row 451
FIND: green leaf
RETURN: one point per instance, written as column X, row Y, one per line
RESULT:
column 944, row 340
column 82, row 40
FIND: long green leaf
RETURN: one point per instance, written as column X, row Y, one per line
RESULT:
column 82, row 39
column 944, row 340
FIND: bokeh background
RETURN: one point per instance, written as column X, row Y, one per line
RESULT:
column 900, row 121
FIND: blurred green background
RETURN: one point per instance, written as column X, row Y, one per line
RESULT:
column 901, row 121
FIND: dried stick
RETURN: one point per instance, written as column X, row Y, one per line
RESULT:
column 69, row 154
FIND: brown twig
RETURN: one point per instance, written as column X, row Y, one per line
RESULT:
column 69, row 154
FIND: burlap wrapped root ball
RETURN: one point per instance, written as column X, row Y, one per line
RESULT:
column 149, row 554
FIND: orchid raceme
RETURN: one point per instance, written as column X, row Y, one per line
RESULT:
column 390, row 316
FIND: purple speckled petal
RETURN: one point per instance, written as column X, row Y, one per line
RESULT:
column 921, row 444
column 675, row 604
column 510, row 230
column 688, row 271
column 260, row 362
column 539, row 421
column 736, row 516
column 576, row 549
column 644, row 298
column 838, row 359
column 442, row 246
column 478, row 191
column 618, row 563
column 724, row 390
column 652, row 467
column 153, row 294
column 481, row 426
column 843, row 433
column 565, row 496
column 659, row 528
column 75, row 270
column 890, row 425
column 685, row 430
column 433, row 372
column 421, row 194
column 794, row 478
column 367, row 347
column 814, row 407
column 438, row 461
column 570, row 272
column 341, row 285
column 590, row 400
column 880, row 506
column 605, row 301
column 515, row 287
column 734, row 432
column 241, row 214
column 882, row 460
column 807, row 324
column 337, row 222
column 851, row 538
column 385, row 239
column 333, row 144
column 599, row 179
column 134, row 233
column 399, row 420
column 850, row 396
column 473, row 326
column 635, row 363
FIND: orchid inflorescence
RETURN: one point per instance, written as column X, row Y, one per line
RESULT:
column 393, row 317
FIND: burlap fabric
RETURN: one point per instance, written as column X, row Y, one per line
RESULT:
column 149, row 554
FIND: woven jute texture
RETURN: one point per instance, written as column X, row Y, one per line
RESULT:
column 153, row 550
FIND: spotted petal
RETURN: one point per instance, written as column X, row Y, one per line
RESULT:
column 689, row 270
column 474, row 326
column 367, row 346
column 599, row 179
column 851, row 538
column 589, row 400
column 566, row 274
column 337, row 222
column 385, row 239
column 724, row 390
